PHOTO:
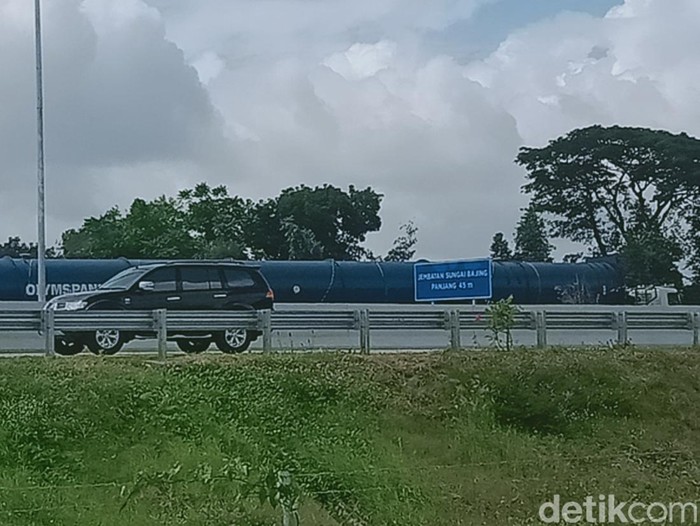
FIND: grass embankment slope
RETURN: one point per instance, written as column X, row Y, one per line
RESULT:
column 441, row 439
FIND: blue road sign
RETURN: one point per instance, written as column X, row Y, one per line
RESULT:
column 454, row 280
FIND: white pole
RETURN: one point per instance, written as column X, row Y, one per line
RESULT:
column 41, row 248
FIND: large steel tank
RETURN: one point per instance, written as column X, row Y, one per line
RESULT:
column 332, row 281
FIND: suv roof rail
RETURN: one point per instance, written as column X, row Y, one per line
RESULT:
column 236, row 262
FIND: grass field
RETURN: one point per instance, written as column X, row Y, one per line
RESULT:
column 439, row 439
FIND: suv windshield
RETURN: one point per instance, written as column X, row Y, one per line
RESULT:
column 125, row 279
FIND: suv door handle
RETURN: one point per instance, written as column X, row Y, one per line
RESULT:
column 219, row 295
column 173, row 298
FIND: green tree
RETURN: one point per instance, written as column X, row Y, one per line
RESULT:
column 338, row 220
column 206, row 222
column 14, row 247
column 404, row 247
column 216, row 220
column 531, row 242
column 301, row 242
column 620, row 190
column 500, row 249
column 155, row 229
column 98, row 237
column 593, row 181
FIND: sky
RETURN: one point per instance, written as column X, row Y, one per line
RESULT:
column 426, row 102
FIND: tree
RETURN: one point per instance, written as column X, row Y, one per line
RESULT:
column 403, row 248
column 206, row 222
column 593, row 181
column 531, row 242
column 625, row 190
column 500, row 249
column 649, row 256
column 14, row 247
column 301, row 242
column 155, row 229
column 338, row 220
column 691, row 293
column 216, row 220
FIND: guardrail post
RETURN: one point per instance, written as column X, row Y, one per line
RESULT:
column 265, row 323
column 49, row 330
column 160, row 320
column 455, row 336
column 696, row 328
column 364, row 331
column 622, row 328
column 541, row 329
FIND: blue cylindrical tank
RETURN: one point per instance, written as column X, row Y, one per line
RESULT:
column 332, row 281
column 553, row 283
column 18, row 277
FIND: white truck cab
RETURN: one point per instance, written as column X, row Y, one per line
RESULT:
column 655, row 295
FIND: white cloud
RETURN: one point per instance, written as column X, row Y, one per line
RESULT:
column 362, row 61
column 635, row 66
column 145, row 97
column 119, row 98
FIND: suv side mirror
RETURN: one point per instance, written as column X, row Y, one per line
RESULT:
column 147, row 286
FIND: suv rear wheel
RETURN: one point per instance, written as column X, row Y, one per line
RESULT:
column 105, row 341
column 233, row 341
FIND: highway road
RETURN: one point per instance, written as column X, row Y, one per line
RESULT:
column 11, row 342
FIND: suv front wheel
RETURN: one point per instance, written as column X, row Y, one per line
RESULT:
column 233, row 341
column 105, row 341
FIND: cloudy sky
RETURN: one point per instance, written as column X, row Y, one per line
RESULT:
column 427, row 101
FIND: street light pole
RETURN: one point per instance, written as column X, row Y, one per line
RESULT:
column 41, row 211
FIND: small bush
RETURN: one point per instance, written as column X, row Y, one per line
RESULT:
column 557, row 399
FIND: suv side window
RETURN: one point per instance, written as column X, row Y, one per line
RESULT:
column 239, row 278
column 163, row 279
column 199, row 278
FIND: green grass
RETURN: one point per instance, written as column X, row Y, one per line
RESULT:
column 440, row 439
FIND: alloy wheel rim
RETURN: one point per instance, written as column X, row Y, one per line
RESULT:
column 235, row 337
column 107, row 339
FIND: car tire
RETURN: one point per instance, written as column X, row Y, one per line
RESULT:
column 232, row 341
column 193, row 346
column 105, row 341
column 66, row 346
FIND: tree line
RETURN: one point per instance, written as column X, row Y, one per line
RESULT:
column 208, row 223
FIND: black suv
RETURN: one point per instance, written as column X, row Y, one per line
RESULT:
column 173, row 286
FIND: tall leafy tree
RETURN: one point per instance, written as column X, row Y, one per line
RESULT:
column 216, row 220
column 155, row 229
column 531, row 243
column 621, row 190
column 500, row 249
column 338, row 220
column 593, row 181
column 98, row 237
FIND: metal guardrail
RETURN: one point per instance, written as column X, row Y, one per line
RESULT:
column 364, row 320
